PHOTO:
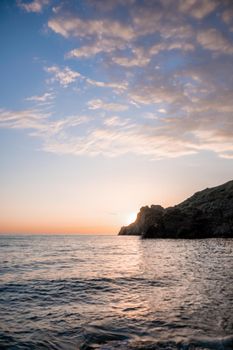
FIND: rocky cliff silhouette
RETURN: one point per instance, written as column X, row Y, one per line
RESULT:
column 206, row 214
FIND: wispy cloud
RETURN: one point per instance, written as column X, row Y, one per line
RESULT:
column 117, row 86
column 167, row 140
column 23, row 119
column 155, row 93
column 99, row 45
column 139, row 58
column 214, row 40
column 33, row 6
column 197, row 8
column 46, row 97
column 115, row 136
column 117, row 122
column 78, row 27
column 227, row 17
column 64, row 77
column 39, row 123
column 100, row 104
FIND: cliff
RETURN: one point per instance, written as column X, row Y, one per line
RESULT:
column 206, row 214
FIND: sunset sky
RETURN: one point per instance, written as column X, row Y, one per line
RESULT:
column 106, row 106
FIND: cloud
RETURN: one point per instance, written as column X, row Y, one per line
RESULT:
column 125, row 51
column 212, row 39
column 70, row 122
column 197, row 8
column 40, row 124
column 139, row 59
column 227, row 17
column 175, row 138
column 154, row 93
column 46, row 97
column 118, row 40
column 110, row 46
column 188, row 91
column 184, row 107
column 116, row 122
column 64, row 76
column 23, row 119
column 99, row 104
column 115, row 86
column 67, row 76
column 142, row 57
column 71, row 26
column 162, row 110
column 115, row 136
column 106, row 45
column 34, row 6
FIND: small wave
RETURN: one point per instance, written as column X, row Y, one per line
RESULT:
column 110, row 343
column 225, row 343
column 75, row 284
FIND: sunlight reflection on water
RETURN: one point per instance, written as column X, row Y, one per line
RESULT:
column 80, row 291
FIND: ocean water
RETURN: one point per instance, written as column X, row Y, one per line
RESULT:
column 111, row 292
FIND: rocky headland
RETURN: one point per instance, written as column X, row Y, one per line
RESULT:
column 206, row 214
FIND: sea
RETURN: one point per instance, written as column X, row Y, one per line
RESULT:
column 87, row 292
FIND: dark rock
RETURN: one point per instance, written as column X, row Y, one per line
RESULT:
column 147, row 217
column 208, row 213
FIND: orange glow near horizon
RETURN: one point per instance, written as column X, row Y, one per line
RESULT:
column 111, row 226
column 102, row 210
column 36, row 224
column 47, row 219
column 99, row 230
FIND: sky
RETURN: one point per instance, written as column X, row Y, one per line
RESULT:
column 107, row 106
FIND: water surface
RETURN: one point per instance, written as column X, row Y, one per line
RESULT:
column 114, row 292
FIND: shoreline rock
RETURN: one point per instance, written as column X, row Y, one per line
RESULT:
column 206, row 214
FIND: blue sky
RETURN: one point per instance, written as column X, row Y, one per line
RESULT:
column 106, row 106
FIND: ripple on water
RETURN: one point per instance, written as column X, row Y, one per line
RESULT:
column 115, row 293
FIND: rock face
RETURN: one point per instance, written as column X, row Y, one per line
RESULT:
column 208, row 213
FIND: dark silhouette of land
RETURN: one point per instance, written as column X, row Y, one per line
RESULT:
column 206, row 214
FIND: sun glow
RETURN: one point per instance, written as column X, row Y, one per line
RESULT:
column 131, row 218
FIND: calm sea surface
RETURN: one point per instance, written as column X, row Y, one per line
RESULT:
column 109, row 292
